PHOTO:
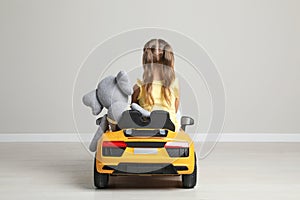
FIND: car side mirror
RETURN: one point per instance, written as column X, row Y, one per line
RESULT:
column 185, row 121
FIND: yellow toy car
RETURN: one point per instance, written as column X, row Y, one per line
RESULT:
column 146, row 147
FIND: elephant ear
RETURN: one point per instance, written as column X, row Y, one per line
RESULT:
column 124, row 83
column 91, row 100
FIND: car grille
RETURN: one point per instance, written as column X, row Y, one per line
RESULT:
column 146, row 144
column 144, row 168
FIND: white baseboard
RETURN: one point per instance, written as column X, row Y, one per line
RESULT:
column 224, row 137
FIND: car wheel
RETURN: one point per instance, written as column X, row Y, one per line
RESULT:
column 100, row 179
column 190, row 180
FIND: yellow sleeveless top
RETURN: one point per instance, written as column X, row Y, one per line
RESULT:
column 159, row 102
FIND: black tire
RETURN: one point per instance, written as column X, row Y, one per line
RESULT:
column 190, row 180
column 100, row 179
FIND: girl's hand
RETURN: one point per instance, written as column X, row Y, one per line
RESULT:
column 136, row 92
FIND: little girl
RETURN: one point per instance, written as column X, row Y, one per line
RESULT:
column 159, row 89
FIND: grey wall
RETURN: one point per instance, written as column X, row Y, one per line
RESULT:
column 255, row 45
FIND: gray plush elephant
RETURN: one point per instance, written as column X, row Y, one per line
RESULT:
column 112, row 93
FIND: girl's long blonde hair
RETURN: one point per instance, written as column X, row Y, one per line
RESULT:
column 158, row 53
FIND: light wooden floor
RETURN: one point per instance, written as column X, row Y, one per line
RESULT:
column 232, row 171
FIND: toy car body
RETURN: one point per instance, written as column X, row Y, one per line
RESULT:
column 146, row 150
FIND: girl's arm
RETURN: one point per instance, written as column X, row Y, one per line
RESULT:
column 176, row 104
column 177, row 101
column 136, row 92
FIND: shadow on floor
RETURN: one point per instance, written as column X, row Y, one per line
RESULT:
column 66, row 165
